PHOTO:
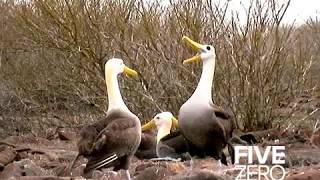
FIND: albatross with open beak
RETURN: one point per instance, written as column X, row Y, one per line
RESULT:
column 206, row 126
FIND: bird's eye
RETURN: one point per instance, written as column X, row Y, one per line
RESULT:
column 208, row 48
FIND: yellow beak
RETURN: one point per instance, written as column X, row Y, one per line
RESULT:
column 174, row 123
column 130, row 72
column 150, row 125
column 195, row 46
column 193, row 59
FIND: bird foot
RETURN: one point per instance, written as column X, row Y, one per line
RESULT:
column 166, row 159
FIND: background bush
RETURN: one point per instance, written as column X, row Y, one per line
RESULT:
column 52, row 54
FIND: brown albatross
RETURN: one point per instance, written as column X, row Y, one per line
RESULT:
column 206, row 126
column 112, row 141
column 170, row 145
column 148, row 144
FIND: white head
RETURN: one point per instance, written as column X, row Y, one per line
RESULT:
column 205, row 52
column 116, row 66
column 163, row 119
column 164, row 122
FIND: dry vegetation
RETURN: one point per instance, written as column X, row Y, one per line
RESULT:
column 52, row 53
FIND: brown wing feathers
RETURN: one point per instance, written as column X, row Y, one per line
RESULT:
column 148, row 144
column 88, row 136
column 106, row 147
column 226, row 121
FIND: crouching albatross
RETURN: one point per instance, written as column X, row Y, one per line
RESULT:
column 112, row 141
column 206, row 126
column 148, row 144
column 170, row 145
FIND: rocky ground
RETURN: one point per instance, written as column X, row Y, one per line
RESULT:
column 30, row 157
column 46, row 156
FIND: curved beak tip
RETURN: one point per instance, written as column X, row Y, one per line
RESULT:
column 130, row 72
column 195, row 46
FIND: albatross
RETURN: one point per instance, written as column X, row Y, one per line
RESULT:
column 112, row 141
column 170, row 145
column 148, row 144
column 206, row 126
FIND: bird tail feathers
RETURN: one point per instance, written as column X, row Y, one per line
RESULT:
column 99, row 162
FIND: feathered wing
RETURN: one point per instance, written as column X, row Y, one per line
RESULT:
column 88, row 135
column 226, row 121
column 172, row 135
column 148, row 144
column 115, row 142
column 225, row 118
column 148, row 139
column 173, row 145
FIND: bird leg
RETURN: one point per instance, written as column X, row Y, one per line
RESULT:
column 128, row 175
column 68, row 169
column 191, row 159
column 220, row 164
column 166, row 159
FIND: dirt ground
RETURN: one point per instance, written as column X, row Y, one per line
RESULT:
column 29, row 156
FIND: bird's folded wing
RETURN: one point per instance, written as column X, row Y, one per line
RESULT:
column 113, row 142
column 220, row 112
column 119, row 134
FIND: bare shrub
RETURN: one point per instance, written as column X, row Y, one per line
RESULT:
column 54, row 51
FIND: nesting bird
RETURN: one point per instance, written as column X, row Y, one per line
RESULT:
column 170, row 145
column 112, row 141
column 206, row 126
column 148, row 145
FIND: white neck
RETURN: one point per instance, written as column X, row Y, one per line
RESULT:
column 204, row 87
column 163, row 131
column 114, row 96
